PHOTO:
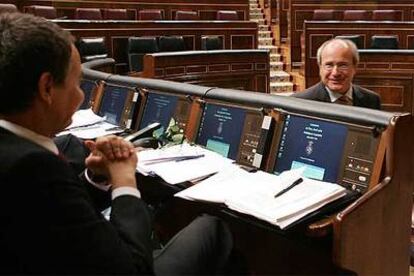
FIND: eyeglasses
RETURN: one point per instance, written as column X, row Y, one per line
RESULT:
column 343, row 67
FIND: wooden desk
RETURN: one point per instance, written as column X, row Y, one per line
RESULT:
column 238, row 69
column 236, row 34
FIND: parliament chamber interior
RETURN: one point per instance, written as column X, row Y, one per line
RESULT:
column 224, row 71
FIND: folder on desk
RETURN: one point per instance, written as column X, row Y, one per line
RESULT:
column 254, row 194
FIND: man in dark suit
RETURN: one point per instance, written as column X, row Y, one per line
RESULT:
column 50, row 218
column 338, row 60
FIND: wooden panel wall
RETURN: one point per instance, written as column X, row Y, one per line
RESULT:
column 236, row 34
column 244, row 69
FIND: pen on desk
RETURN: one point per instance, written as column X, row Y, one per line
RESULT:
column 184, row 158
column 295, row 183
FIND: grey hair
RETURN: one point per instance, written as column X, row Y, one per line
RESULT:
column 346, row 43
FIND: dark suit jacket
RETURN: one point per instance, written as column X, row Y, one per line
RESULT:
column 49, row 222
column 361, row 97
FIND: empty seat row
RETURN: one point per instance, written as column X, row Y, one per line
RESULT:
column 377, row 41
column 139, row 46
column 352, row 15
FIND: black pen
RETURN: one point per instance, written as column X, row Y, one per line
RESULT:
column 296, row 182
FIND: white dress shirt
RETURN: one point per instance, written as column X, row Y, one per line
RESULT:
column 335, row 96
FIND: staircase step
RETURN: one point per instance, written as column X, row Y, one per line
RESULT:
column 265, row 41
column 263, row 28
column 279, row 76
column 256, row 16
column 281, row 87
column 275, row 57
column 276, row 66
column 259, row 21
column 272, row 49
column 265, row 34
column 255, row 10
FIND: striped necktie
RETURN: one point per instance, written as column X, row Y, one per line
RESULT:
column 344, row 100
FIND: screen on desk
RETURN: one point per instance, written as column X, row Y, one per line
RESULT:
column 221, row 128
column 113, row 103
column 159, row 108
column 314, row 144
column 87, row 88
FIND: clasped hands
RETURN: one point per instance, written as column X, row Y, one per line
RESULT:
column 114, row 158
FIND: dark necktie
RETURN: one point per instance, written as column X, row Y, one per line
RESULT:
column 344, row 100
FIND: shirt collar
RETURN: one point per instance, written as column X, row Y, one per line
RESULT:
column 23, row 132
column 334, row 96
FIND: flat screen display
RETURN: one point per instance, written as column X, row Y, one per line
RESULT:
column 221, row 129
column 313, row 144
column 113, row 103
column 87, row 88
column 158, row 108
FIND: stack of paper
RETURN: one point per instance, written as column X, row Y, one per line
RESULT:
column 254, row 194
column 180, row 163
column 87, row 125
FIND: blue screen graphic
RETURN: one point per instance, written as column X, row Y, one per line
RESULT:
column 87, row 88
column 316, row 145
column 159, row 108
column 113, row 103
column 221, row 128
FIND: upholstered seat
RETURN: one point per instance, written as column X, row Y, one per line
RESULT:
column 325, row 15
column 186, row 15
column 353, row 15
column 227, row 15
column 92, row 48
column 211, row 43
column 137, row 48
column 114, row 14
column 384, row 42
column 386, row 15
column 48, row 12
column 8, row 8
column 171, row 43
column 151, row 14
column 358, row 40
column 88, row 13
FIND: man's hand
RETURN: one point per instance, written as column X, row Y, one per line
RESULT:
column 107, row 150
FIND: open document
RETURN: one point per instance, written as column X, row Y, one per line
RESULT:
column 180, row 163
column 261, row 194
column 87, row 125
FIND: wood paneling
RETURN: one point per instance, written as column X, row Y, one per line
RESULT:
column 245, row 69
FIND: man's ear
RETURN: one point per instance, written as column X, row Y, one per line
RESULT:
column 45, row 87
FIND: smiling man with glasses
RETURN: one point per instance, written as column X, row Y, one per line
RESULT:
column 338, row 60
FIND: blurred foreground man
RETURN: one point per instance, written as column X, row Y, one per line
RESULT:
column 50, row 218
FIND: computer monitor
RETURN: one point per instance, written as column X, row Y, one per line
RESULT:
column 221, row 129
column 118, row 105
column 314, row 144
column 88, row 88
column 162, row 107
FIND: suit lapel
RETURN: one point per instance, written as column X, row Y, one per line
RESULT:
column 321, row 93
column 357, row 96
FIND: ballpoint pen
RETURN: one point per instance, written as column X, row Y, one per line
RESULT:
column 296, row 182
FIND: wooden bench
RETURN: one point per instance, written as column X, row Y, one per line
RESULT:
column 235, row 34
column 301, row 10
column 238, row 69
column 206, row 9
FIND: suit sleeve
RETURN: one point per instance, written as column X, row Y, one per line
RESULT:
column 68, row 234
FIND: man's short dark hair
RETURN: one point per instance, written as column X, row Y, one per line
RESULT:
column 29, row 47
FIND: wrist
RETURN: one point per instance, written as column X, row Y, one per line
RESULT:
column 95, row 178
